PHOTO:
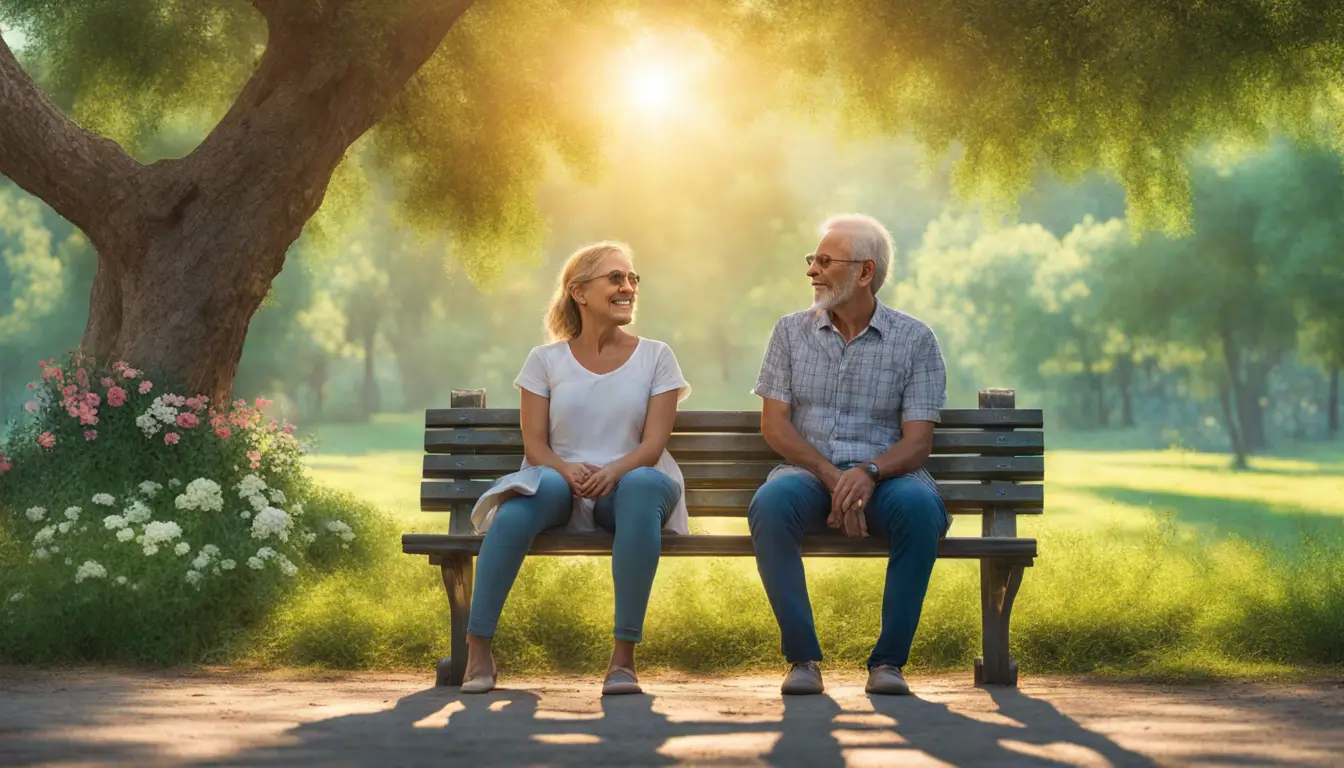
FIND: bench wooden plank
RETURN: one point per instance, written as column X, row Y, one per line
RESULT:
column 735, row 421
column 441, row 495
column 744, row 474
column 733, row 447
column 824, row 545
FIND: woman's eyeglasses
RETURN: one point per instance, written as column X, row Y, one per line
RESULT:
column 617, row 278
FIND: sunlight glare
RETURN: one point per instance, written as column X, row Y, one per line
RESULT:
column 653, row 86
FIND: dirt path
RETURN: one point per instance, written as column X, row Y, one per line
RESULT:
column 90, row 717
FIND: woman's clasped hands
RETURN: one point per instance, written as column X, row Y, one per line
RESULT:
column 590, row 481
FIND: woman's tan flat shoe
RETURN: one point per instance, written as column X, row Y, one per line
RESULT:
column 481, row 683
column 620, row 681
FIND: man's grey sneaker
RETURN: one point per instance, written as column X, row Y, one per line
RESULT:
column 803, row 679
column 884, row 678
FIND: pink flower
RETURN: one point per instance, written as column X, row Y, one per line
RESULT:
column 30, row 385
column 119, row 366
column 90, row 434
column 145, row 386
column 129, row 373
column 187, row 420
column 255, row 457
column 264, row 403
column 171, row 438
column 222, row 432
column 69, row 390
column 82, row 377
column 46, row 440
column 240, row 403
column 107, row 382
column 197, row 403
column 177, row 401
column 32, row 406
column 289, row 429
column 92, row 399
column 218, row 419
column 5, row 466
column 116, row 397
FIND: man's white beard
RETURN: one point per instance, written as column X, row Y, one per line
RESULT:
column 834, row 297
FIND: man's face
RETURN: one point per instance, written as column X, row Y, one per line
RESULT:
column 832, row 284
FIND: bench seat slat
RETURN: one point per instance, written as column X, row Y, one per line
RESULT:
column 745, row 447
column 832, row 545
column 441, row 495
column 744, row 474
column 735, row 421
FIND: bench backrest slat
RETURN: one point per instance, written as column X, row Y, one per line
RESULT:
column 735, row 421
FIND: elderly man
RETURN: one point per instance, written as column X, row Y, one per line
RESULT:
column 850, row 394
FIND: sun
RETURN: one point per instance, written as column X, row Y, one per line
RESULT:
column 653, row 86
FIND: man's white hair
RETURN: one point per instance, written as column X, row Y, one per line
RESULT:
column 868, row 239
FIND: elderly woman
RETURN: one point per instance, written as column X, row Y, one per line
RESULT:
column 598, row 405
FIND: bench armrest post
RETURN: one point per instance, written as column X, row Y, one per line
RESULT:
column 460, row 522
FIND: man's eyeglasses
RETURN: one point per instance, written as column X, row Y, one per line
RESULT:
column 617, row 278
column 824, row 261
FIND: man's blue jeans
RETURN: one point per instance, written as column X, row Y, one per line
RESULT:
column 635, row 511
column 904, row 511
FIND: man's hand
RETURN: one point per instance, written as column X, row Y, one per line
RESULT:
column 850, row 493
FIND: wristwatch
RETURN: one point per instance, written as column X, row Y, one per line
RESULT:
column 873, row 471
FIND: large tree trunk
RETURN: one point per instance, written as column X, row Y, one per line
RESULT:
column 1233, row 432
column 187, row 248
column 1332, row 404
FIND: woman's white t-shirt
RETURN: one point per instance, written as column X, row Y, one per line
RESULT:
column 596, row 419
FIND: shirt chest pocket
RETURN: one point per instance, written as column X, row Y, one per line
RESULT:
column 884, row 390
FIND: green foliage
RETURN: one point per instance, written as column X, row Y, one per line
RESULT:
column 153, row 528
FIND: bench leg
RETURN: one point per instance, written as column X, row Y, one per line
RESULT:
column 457, row 580
column 999, row 582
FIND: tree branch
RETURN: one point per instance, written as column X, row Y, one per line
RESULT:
column 86, row 178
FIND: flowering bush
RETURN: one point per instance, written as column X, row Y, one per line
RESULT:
column 120, row 500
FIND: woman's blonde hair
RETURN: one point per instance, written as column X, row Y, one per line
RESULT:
column 563, row 321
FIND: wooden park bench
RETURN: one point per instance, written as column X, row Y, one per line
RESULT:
column 987, row 461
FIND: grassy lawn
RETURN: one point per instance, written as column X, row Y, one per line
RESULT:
column 1153, row 564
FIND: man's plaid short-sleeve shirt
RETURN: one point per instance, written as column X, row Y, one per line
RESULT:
column 849, row 400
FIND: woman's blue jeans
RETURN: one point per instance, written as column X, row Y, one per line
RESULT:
column 904, row 512
column 635, row 511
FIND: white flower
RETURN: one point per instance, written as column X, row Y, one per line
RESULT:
column 296, row 509
column 210, row 550
column 40, row 553
column 55, row 549
column 64, row 527
column 245, row 515
column 193, row 577
column 121, row 581
column 201, row 562
column 308, row 537
column 16, row 597
column 227, row 565
column 252, row 562
column 125, row 534
column 36, row 513
column 265, row 553
column 250, row 485
column 174, row 483
column 68, row 561
column 277, row 496
column 114, row 522
column 201, row 494
column 138, row 513
column 90, row 570
column 151, row 550
column 341, row 529
column 258, row 502
column 104, row 499
column 286, row 567
column 149, row 487
column 161, row 533
column 182, row 548
column 72, row 513
column 147, row 424
column 44, row 536
column 271, row 522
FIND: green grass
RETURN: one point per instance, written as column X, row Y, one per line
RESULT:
column 1153, row 563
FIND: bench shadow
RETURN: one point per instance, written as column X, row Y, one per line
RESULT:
column 1251, row 520
column 511, row 727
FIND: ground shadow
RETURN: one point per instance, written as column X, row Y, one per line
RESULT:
column 505, row 727
column 1251, row 520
